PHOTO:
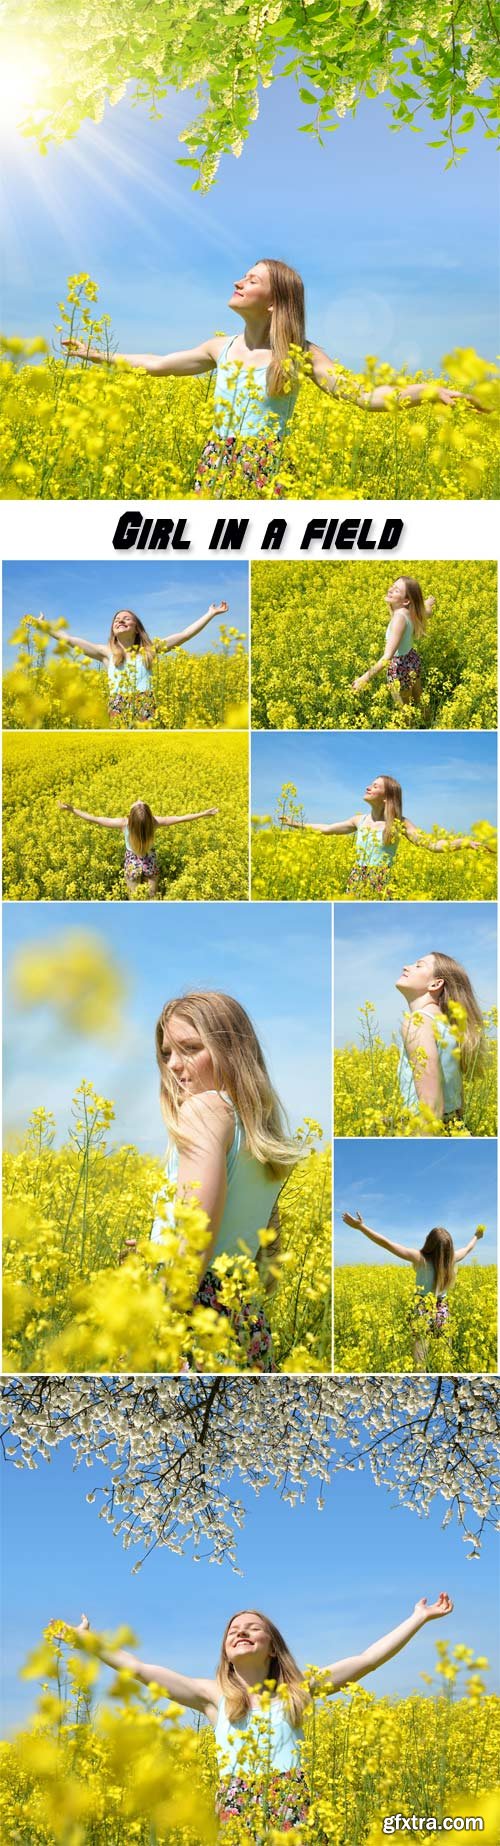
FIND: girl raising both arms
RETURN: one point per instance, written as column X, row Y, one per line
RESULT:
column 254, row 1651
column 435, row 1267
column 128, row 656
column 377, row 837
column 256, row 379
column 139, row 828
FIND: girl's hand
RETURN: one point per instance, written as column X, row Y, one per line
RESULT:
column 78, row 349
column 127, row 1249
column 430, row 1612
column 218, row 608
column 65, row 807
column 445, row 396
column 358, row 684
column 354, row 1219
column 83, row 1626
column 481, row 1230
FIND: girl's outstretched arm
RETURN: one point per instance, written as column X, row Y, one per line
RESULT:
column 199, row 1694
column 98, row 650
column 386, row 1243
column 397, row 628
column 188, row 364
column 174, row 820
column 100, row 820
column 185, row 634
column 452, row 844
column 471, row 1245
column 390, row 1644
column 326, row 375
column 320, row 826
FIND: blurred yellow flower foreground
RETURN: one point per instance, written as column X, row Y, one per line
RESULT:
column 125, row 1770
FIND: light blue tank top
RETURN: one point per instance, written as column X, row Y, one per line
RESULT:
column 407, row 638
column 239, row 414
column 426, row 1279
column 371, row 848
column 451, row 1076
column 279, row 1742
column 133, row 676
column 252, row 1191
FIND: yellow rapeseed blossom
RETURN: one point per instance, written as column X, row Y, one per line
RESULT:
column 378, row 1319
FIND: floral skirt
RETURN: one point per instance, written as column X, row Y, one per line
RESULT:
column 372, row 879
column 138, row 867
column 257, row 459
column 138, row 708
column 281, row 1801
column 249, row 1323
column 405, row 667
column 434, row 1323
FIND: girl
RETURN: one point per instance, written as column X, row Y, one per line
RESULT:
column 378, row 836
column 432, row 1064
column 435, row 1268
column 227, row 1139
column 254, row 1651
column 128, row 655
column 256, row 381
column 407, row 624
column 141, row 864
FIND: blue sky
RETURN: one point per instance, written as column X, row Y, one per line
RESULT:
column 314, row 1573
column 274, row 959
column 396, row 253
column 168, row 597
column 402, row 1190
column 445, row 778
column 373, row 941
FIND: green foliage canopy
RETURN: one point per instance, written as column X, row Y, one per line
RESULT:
column 443, row 55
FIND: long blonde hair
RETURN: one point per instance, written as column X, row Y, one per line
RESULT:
column 288, row 324
column 439, row 1249
column 458, row 988
column 239, row 1067
column 418, row 609
column 143, row 642
column 393, row 806
column 281, row 1667
column 141, row 828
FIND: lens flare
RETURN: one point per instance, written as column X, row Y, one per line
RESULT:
column 21, row 80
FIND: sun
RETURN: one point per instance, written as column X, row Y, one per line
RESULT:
column 21, row 84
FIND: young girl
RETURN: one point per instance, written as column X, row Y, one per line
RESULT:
column 254, row 1651
column 141, row 864
column 256, row 383
column 407, row 624
column 378, row 835
column 435, row 1268
column 227, row 1140
column 432, row 1065
column 128, row 655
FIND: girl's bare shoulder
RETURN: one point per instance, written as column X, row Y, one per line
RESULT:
column 208, row 1112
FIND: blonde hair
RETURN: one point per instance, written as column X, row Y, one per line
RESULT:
column 287, row 324
column 393, row 806
column 419, row 610
column 457, row 988
column 239, row 1067
column 439, row 1249
column 143, row 641
column 281, row 1667
column 141, row 828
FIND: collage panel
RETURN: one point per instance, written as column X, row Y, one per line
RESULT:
column 415, row 1025
column 327, row 654
column 203, row 1030
column 415, row 1245
column 115, row 673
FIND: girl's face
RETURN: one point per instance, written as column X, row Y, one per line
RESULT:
column 187, row 1057
column 417, row 978
column 375, row 790
column 396, row 595
column 124, row 624
column 253, row 290
column 248, row 1636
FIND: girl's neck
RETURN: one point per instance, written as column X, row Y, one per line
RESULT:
column 424, row 1000
column 257, row 332
column 377, row 808
column 252, row 1676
